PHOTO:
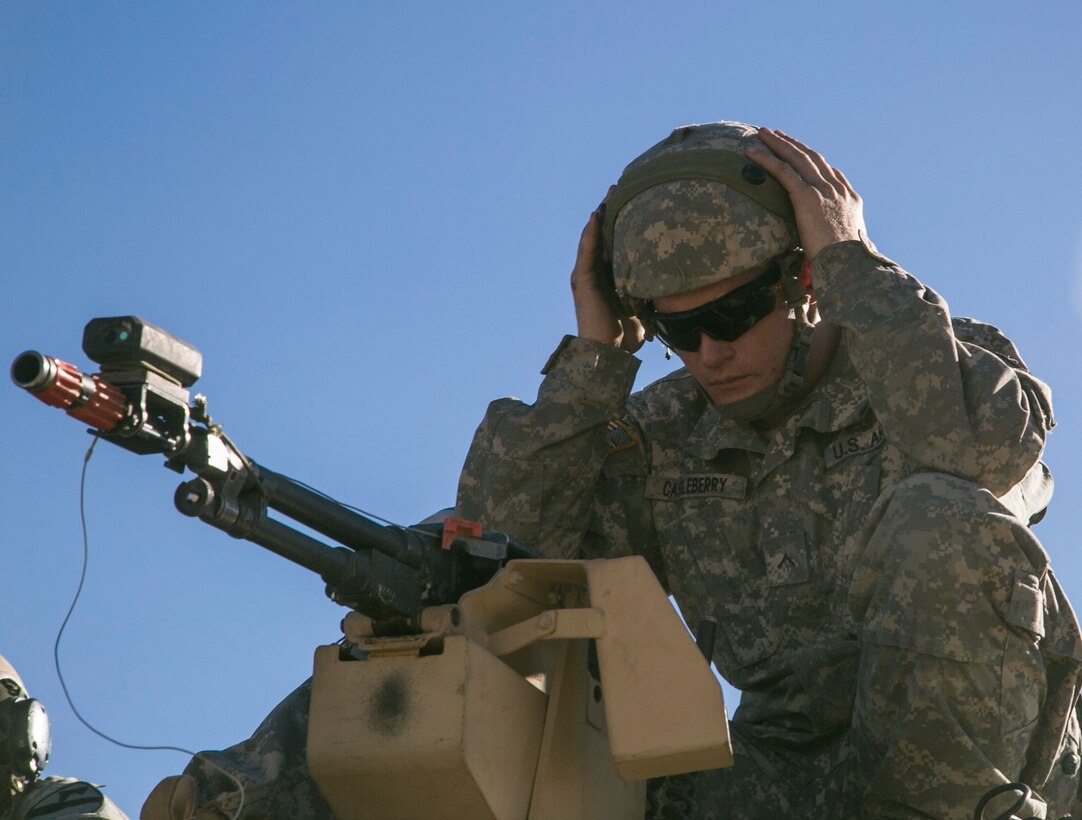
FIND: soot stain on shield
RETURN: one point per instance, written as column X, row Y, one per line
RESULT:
column 390, row 706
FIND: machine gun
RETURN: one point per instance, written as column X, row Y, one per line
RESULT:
column 475, row 655
column 140, row 401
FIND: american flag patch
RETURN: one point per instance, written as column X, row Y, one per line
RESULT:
column 620, row 437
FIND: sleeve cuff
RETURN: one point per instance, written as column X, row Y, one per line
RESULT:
column 598, row 373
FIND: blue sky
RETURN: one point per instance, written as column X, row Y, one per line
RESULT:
column 364, row 216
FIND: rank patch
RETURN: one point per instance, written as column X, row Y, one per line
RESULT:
column 786, row 558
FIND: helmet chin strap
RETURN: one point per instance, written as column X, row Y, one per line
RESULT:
column 774, row 398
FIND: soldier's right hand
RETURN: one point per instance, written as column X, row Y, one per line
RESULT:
column 595, row 318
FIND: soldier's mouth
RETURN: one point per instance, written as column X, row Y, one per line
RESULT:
column 724, row 384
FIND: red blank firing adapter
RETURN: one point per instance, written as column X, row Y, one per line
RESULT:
column 59, row 384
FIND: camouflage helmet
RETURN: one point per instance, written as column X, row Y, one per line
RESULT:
column 693, row 210
column 25, row 737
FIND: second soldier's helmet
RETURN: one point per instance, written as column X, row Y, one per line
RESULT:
column 690, row 211
column 25, row 739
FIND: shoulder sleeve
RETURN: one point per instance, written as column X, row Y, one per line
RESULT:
column 532, row 469
column 621, row 519
column 953, row 394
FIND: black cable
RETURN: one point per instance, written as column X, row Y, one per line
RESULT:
column 1023, row 791
column 356, row 509
column 63, row 626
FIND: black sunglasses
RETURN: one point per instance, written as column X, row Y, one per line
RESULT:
column 725, row 319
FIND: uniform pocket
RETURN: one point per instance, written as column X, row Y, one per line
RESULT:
column 714, row 566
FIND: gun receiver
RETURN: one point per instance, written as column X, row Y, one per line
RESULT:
column 139, row 401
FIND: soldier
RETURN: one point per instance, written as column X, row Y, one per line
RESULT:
column 841, row 474
column 24, row 751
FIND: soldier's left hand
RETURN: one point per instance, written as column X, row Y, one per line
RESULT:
column 827, row 208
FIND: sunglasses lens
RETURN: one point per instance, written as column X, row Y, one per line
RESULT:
column 725, row 319
column 676, row 337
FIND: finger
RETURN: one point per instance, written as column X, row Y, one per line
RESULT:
column 599, row 213
column 809, row 153
column 632, row 334
column 830, row 175
column 828, row 172
column 847, row 184
column 796, row 154
column 783, row 171
column 584, row 274
column 588, row 239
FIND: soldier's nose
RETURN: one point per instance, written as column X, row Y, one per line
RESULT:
column 714, row 352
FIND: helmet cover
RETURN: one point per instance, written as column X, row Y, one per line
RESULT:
column 693, row 210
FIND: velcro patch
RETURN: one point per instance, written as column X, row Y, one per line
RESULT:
column 786, row 558
column 852, row 444
column 699, row 485
column 620, row 437
column 1027, row 604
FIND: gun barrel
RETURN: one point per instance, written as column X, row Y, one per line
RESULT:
column 89, row 399
column 332, row 519
column 365, row 579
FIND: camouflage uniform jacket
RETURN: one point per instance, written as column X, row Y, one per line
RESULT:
column 755, row 528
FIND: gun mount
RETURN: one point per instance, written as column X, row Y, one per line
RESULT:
column 495, row 704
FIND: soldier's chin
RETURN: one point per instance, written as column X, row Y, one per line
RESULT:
column 753, row 404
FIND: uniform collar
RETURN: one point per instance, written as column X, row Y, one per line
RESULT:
column 837, row 401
